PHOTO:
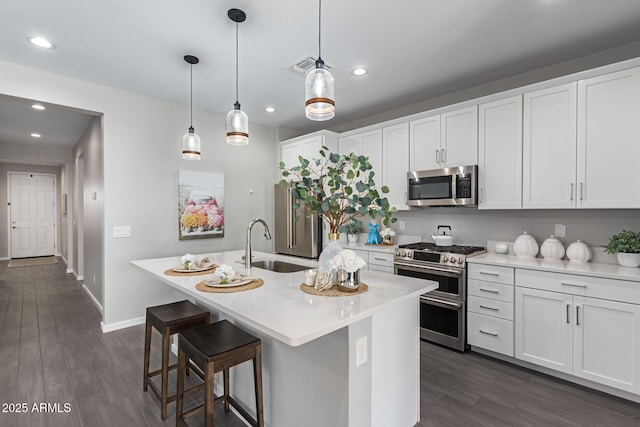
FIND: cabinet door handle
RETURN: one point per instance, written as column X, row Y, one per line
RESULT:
column 577, row 315
column 489, row 273
column 443, row 155
column 573, row 284
column 568, row 309
column 493, row 334
column 491, row 291
column 437, row 156
column 489, row 308
column 581, row 191
column 571, row 194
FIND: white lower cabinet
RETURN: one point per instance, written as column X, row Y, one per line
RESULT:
column 591, row 338
column 490, row 308
column 379, row 261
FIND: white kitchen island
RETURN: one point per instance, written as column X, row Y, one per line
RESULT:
column 309, row 344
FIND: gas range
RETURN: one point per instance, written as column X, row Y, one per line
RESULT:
column 425, row 253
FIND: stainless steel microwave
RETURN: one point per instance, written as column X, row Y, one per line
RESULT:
column 456, row 186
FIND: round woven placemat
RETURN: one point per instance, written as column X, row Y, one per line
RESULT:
column 170, row 272
column 256, row 283
column 333, row 291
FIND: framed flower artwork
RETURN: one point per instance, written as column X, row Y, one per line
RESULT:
column 200, row 205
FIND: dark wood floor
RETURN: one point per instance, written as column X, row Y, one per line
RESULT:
column 52, row 351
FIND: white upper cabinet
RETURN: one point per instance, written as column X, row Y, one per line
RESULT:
column 459, row 136
column 424, row 143
column 307, row 146
column 549, row 148
column 609, row 140
column 443, row 140
column 500, row 154
column 395, row 163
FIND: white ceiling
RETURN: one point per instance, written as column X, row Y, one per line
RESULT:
column 415, row 49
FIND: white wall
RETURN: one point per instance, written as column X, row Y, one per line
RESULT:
column 142, row 155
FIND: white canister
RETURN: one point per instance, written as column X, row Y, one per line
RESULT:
column 501, row 247
column 578, row 252
column 552, row 248
column 525, row 246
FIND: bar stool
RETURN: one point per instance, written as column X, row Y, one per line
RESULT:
column 214, row 348
column 168, row 319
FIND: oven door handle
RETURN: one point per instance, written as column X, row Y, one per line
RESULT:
column 429, row 268
column 440, row 302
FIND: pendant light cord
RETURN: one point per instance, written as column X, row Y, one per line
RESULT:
column 319, row 28
column 191, row 91
column 237, row 97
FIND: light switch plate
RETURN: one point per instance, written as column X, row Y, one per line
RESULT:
column 121, row 231
column 561, row 230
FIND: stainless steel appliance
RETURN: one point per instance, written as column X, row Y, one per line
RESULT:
column 443, row 311
column 455, row 186
column 301, row 238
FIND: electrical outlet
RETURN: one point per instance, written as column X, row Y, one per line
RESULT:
column 401, row 225
column 361, row 351
column 121, row 231
column 561, row 230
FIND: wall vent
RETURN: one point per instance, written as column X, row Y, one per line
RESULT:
column 302, row 65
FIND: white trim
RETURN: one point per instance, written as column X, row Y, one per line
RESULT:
column 78, row 277
column 70, row 271
column 121, row 325
column 5, row 258
column 92, row 298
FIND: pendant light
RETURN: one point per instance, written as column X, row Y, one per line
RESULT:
column 319, row 85
column 237, row 120
column 190, row 140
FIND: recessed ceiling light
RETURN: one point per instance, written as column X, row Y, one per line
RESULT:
column 36, row 135
column 41, row 42
column 270, row 109
column 360, row 71
column 37, row 107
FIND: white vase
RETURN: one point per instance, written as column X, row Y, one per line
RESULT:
column 525, row 246
column 628, row 260
column 352, row 238
column 329, row 251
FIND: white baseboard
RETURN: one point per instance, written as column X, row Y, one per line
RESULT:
column 70, row 271
column 121, row 325
column 78, row 277
column 4, row 258
column 92, row 297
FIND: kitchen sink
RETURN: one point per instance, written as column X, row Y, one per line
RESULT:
column 278, row 266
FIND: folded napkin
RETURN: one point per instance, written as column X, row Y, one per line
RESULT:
column 202, row 262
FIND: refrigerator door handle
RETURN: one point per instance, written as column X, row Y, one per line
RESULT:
column 289, row 219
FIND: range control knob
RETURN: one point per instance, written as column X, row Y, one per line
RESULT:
column 460, row 260
column 445, row 258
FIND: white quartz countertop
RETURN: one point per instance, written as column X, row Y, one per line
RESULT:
column 607, row 271
column 390, row 249
column 279, row 308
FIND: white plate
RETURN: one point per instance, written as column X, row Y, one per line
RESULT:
column 181, row 269
column 215, row 283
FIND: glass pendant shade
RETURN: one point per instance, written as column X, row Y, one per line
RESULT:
column 237, row 127
column 319, row 94
column 191, row 145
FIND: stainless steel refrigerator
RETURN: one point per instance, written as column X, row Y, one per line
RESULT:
column 301, row 238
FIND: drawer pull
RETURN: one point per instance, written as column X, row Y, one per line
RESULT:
column 489, row 273
column 491, row 291
column 575, row 285
column 379, row 259
column 493, row 334
column 489, row 308
column 568, row 308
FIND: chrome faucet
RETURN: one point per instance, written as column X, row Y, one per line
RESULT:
column 247, row 249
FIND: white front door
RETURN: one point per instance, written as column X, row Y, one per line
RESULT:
column 32, row 214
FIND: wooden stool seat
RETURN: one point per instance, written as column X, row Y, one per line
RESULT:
column 214, row 348
column 168, row 319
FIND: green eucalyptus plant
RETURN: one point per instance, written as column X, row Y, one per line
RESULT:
column 625, row 241
column 354, row 226
column 337, row 188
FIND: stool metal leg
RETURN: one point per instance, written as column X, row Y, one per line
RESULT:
column 166, row 342
column 257, row 372
column 147, row 352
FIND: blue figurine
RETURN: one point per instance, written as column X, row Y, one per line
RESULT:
column 374, row 237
